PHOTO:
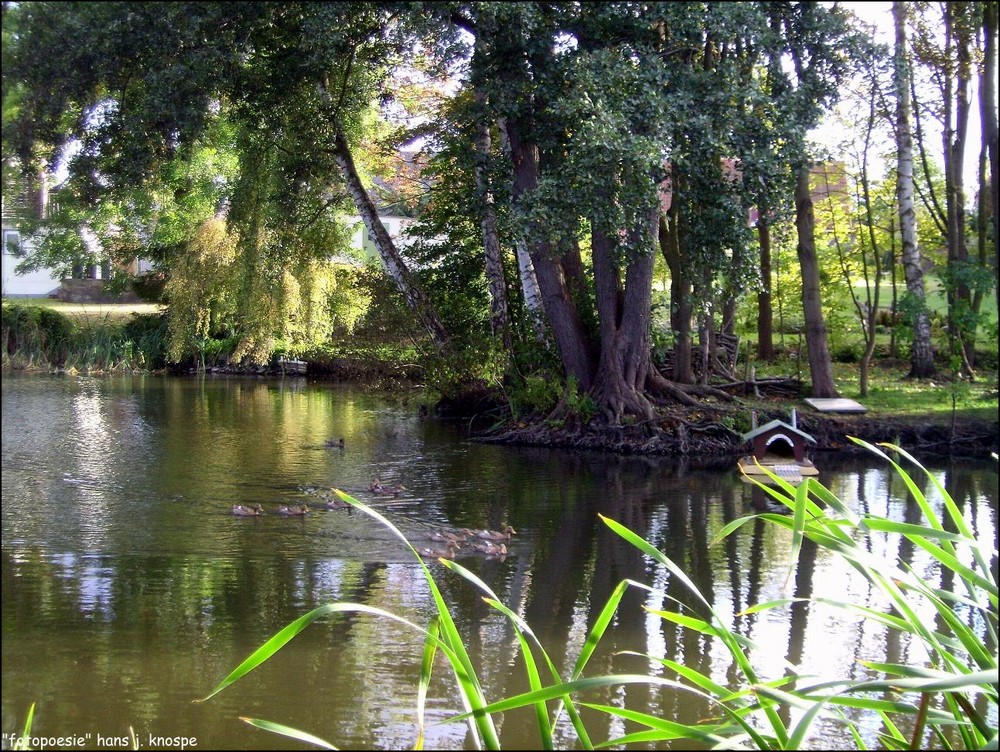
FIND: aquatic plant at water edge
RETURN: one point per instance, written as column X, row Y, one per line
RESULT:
column 39, row 337
column 35, row 335
column 948, row 700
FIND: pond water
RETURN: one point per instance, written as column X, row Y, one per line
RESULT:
column 129, row 590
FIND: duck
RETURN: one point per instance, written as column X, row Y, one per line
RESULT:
column 490, row 549
column 334, row 444
column 437, row 553
column 337, row 504
column 376, row 487
column 247, row 510
column 449, row 538
column 293, row 511
column 493, row 535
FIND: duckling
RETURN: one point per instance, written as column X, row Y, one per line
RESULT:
column 337, row 503
column 376, row 487
column 334, row 444
column 490, row 549
column 247, row 510
column 437, row 553
column 293, row 511
column 493, row 535
column 444, row 537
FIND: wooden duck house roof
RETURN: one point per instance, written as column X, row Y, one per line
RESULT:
column 779, row 425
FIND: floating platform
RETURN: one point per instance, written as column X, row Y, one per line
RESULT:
column 784, row 467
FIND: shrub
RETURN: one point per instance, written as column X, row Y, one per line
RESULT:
column 534, row 394
column 148, row 333
column 846, row 353
column 150, row 286
column 39, row 335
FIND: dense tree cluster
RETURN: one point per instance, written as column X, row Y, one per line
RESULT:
column 581, row 142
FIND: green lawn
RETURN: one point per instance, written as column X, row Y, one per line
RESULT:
column 90, row 312
column 936, row 299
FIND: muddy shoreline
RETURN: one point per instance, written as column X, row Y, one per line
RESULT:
column 699, row 434
column 711, row 434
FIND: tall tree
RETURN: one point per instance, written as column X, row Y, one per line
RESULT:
column 820, row 365
column 765, row 308
column 942, row 44
column 988, row 108
column 505, row 74
column 496, row 279
column 989, row 187
column 957, row 108
column 807, row 31
column 921, row 352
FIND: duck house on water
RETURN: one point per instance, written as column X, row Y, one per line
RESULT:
column 778, row 446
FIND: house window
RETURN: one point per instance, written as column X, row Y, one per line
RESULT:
column 11, row 242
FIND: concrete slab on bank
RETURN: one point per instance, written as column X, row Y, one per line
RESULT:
column 835, row 405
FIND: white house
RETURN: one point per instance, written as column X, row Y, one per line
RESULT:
column 397, row 228
column 38, row 284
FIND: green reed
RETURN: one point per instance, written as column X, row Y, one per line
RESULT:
column 39, row 338
column 22, row 742
column 936, row 701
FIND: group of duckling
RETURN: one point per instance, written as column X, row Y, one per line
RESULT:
column 491, row 543
column 329, row 501
column 256, row 510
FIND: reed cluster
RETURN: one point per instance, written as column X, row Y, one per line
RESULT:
column 39, row 338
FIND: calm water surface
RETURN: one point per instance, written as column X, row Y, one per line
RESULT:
column 129, row 590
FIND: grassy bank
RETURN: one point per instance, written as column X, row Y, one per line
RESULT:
column 44, row 335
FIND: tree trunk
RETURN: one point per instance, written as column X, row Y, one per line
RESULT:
column 39, row 191
column 495, row 278
column 567, row 328
column 820, row 365
column 988, row 107
column 988, row 150
column 956, row 121
column 706, row 323
column 681, row 312
column 415, row 297
column 921, row 353
column 765, row 311
column 532, row 295
column 573, row 271
column 894, row 308
column 526, row 270
column 624, row 313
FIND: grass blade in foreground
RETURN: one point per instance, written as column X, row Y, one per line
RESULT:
column 23, row 741
column 473, row 698
column 277, row 728
column 271, row 647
